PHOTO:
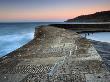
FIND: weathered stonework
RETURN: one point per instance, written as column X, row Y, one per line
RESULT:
column 54, row 55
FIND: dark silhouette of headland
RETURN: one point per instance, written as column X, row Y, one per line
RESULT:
column 98, row 22
column 103, row 16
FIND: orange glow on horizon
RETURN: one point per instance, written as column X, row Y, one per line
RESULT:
column 51, row 14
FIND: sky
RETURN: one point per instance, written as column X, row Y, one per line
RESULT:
column 48, row 10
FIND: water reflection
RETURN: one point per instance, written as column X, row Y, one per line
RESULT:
column 98, row 36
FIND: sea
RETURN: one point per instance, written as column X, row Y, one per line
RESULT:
column 15, row 35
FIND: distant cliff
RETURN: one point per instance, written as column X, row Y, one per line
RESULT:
column 103, row 16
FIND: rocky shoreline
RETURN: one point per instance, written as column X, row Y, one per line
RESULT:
column 103, row 49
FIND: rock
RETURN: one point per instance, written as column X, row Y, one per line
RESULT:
column 103, row 48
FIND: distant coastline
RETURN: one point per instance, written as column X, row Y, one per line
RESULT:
column 103, row 16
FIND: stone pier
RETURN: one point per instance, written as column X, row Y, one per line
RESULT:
column 54, row 55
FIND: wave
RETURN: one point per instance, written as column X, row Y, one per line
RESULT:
column 9, row 43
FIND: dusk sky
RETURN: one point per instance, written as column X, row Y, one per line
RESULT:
column 48, row 10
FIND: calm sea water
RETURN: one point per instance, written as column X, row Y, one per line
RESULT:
column 15, row 35
column 99, row 36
